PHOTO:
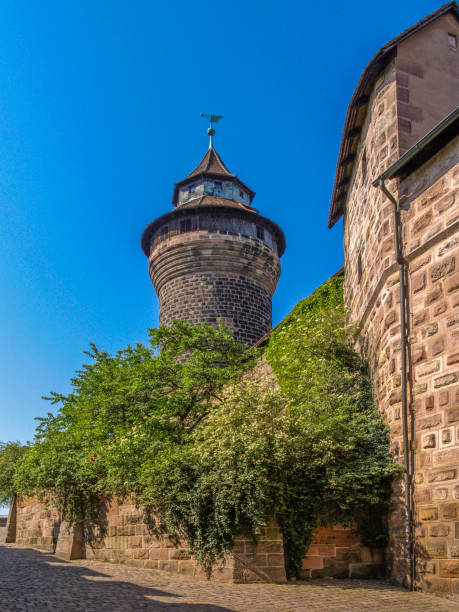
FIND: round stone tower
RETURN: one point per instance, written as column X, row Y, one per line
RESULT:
column 214, row 257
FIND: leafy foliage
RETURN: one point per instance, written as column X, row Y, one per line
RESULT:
column 210, row 446
column 221, row 483
column 11, row 454
column 341, row 469
column 126, row 409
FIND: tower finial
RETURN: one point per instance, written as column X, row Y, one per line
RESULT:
column 210, row 129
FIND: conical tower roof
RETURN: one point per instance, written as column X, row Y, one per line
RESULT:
column 211, row 163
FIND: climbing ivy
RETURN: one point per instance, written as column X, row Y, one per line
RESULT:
column 341, row 469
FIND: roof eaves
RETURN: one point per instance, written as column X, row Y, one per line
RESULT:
column 182, row 210
column 358, row 105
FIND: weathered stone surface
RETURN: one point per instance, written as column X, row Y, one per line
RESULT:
column 219, row 268
column 126, row 538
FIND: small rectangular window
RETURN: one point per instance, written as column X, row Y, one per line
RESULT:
column 452, row 41
column 241, row 194
column 359, row 266
column 260, row 233
column 192, row 188
column 164, row 232
column 364, row 164
column 218, row 184
column 185, row 225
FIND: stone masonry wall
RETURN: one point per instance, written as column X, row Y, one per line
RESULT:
column 201, row 276
column 36, row 525
column 427, row 68
column 243, row 305
column 432, row 251
column 337, row 551
column 126, row 538
column 432, row 247
column 430, row 217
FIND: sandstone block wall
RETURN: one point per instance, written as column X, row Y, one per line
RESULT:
column 125, row 537
column 400, row 112
column 36, row 525
column 426, row 79
column 338, row 552
column 128, row 539
column 431, row 246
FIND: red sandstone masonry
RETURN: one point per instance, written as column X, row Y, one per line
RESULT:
column 127, row 539
column 338, row 552
column 433, row 342
column 430, row 217
column 36, row 525
column 335, row 550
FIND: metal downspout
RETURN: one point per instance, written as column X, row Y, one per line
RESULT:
column 403, row 327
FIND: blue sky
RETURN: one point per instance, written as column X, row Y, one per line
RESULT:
column 99, row 116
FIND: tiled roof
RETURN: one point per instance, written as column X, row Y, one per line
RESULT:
column 357, row 110
column 211, row 163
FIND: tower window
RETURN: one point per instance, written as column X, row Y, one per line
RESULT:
column 192, row 188
column 241, row 194
column 185, row 225
column 452, row 41
column 218, row 184
column 164, row 232
column 260, row 233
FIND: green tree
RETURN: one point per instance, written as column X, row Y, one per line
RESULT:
column 11, row 453
column 123, row 410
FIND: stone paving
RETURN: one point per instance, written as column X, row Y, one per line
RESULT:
column 34, row 580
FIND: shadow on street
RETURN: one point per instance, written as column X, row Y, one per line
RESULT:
column 34, row 580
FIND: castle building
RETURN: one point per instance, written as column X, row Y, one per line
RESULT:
column 214, row 256
column 396, row 188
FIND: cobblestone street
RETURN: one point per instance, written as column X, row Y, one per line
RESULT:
column 34, row 580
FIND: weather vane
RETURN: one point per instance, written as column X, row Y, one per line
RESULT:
column 210, row 129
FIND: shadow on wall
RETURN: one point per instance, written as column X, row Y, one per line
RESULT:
column 42, row 578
